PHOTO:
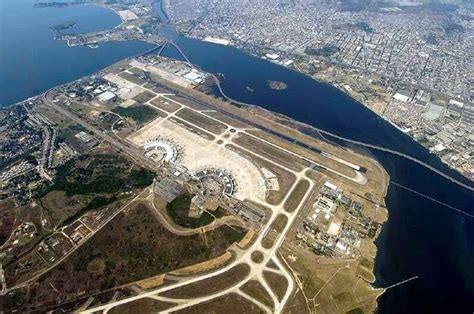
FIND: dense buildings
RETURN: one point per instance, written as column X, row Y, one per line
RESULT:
column 411, row 64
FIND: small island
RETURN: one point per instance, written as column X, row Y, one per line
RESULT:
column 277, row 85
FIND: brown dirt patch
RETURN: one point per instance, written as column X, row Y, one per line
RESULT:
column 268, row 240
column 230, row 303
column 7, row 219
column 133, row 246
column 257, row 257
column 210, row 285
column 279, row 223
column 256, row 290
column 96, row 266
column 277, row 283
column 145, row 305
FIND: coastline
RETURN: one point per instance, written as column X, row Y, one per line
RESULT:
column 244, row 48
column 345, row 92
column 274, row 119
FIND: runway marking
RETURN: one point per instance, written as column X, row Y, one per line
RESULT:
column 387, row 150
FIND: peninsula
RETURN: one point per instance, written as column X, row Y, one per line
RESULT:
column 276, row 220
column 235, row 202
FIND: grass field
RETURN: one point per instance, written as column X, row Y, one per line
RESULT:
column 132, row 78
column 277, row 283
column 141, row 114
column 279, row 223
column 228, row 120
column 178, row 211
column 99, row 173
column 202, row 121
column 333, row 284
column 269, row 151
column 192, row 128
column 132, row 247
column 257, row 257
column 90, row 183
column 229, row 303
column 7, row 219
column 165, row 104
column 256, row 290
column 210, row 285
column 187, row 102
column 143, row 97
column 145, row 305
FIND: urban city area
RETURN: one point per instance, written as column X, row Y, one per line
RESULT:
column 410, row 64
column 144, row 188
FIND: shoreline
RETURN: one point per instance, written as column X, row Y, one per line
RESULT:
column 243, row 48
column 275, row 116
column 382, row 281
column 325, row 82
column 276, row 125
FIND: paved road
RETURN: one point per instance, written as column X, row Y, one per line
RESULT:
column 251, row 123
column 132, row 151
column 257, row 269
column 256, row 273
column 372, row 146
column 58, row 261
column 242, row 256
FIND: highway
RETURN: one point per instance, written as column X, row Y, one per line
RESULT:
column 133, row 152
column 242, row 257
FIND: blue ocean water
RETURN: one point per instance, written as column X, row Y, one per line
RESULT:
column 31, row 61
column 420, row 238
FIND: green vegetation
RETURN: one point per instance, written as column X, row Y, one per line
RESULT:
column 357, row 310
column 140, row 178
column 140, row 114
column 231, row 235
column 325, row 51
column 96, row 203
column 133, row 246
column 178, row 211
column 4, row 163
column 65, row 134
column 22, row 240
column 363, row 26
column 99, row 177
column 277, row 85
column 69, row 181
column 104, row 173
